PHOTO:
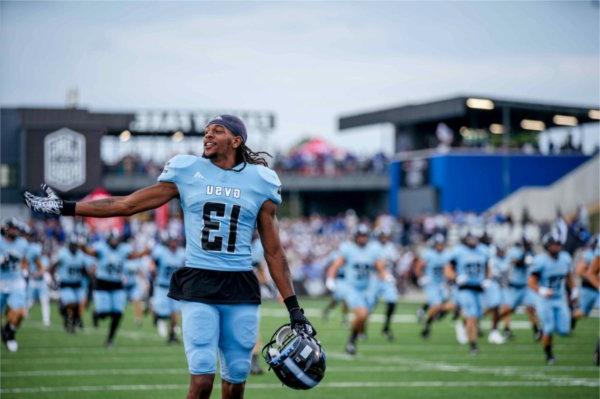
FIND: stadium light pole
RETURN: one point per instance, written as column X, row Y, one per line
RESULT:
column 506, row 146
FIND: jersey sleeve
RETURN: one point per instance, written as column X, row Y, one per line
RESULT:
column 271, row 184
column 173, row 168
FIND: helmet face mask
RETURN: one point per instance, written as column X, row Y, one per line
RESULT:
column 297, row 359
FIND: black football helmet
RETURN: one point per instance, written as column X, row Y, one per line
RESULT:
column 297, row 358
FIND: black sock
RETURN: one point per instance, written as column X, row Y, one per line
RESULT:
column 9, row 332
column 114, row 324
column 548, row 352
column 473, row 345
column 391, row 306
column 441, row 315
column 573, row 322
column 429, row 321
column 535, row 329
column 353, row 336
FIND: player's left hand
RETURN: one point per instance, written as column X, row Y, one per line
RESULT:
column 300, row 323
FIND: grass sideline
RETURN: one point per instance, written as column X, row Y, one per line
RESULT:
column 52, row 364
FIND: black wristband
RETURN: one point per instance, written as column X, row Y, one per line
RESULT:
column 291, row 302
column 68, row 208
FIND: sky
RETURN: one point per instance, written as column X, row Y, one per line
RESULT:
column 309, row 62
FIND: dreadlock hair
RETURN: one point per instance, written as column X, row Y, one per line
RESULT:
column 245, row 155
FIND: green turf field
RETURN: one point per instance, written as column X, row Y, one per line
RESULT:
column 52, row 364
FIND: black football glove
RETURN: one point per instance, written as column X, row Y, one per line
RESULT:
column 50, row 204
column 300, row 323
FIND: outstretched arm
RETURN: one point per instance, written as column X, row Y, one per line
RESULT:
column 139, row 201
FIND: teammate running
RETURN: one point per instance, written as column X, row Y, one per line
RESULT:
column 70, row 268
column 224, row 195
column 386, row 289
column 550, row 275
column 589, row 296
column 520, row 257
column 430, row 271
column 468, row 268
column 109, row 295
column 167, row 258
column 37, row 288
column 13, row 263
column 360, row 260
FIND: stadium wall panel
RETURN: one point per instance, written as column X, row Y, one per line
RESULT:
column 476, row 182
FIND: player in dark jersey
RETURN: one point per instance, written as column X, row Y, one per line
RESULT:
column 224, row 194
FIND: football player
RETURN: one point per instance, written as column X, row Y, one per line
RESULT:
column 360, row 261
column 37, row 288
column 134, row 289
column 468, row 268
column 589, row 296
column 430, row 271
column 224, row 195
column 70, row 268
column 549, row 277
column 109, row 295
column 13, row 264
column 493, row 290
column 517, row 293
column 387, row 290
column 167, row 259
column 337, row 289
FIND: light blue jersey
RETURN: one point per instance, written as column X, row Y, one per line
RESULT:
column 359, row 264
column 11, row 256
column 71, row 267
column 470, row 265
column 500, row 269
column 34, row 252
column 434, row 265
column 111, row 261
column 387, row 252
column 167, row 262
column 552, row 273
column 518, row 266
column 132, row 268
column 220, row 209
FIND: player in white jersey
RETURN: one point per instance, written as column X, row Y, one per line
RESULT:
column 13, row 295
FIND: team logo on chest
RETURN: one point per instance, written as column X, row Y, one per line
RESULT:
column 223, row 191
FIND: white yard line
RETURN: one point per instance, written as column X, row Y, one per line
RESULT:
column 324, row 385
column 497, row 371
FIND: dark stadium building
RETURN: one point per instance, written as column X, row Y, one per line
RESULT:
column 62, row 146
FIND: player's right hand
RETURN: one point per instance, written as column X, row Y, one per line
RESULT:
column 330, row 283
column 545, row 292
column 300, row 323
column 50, row 204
